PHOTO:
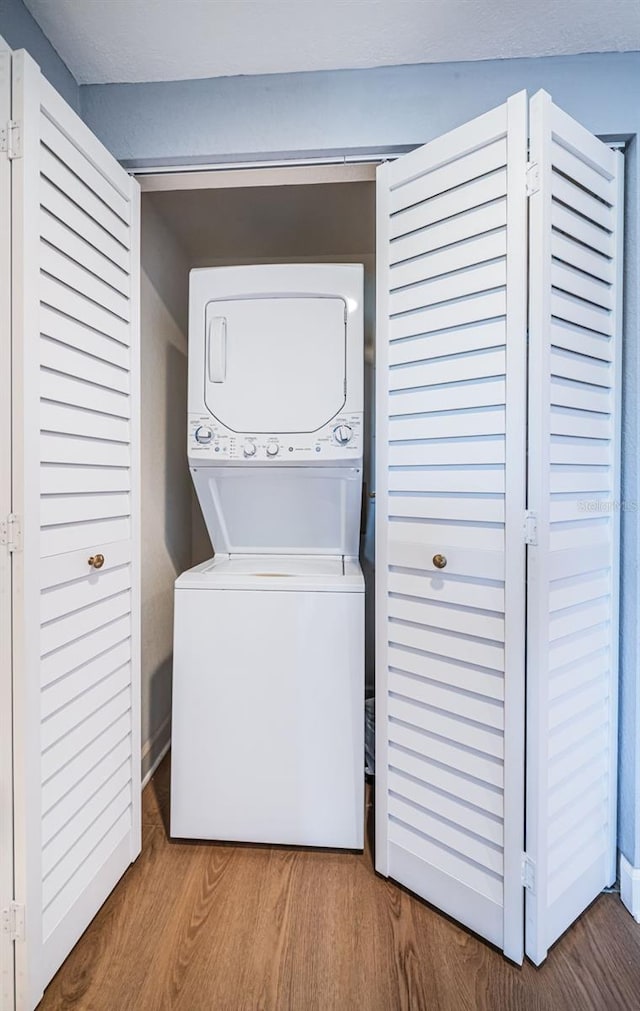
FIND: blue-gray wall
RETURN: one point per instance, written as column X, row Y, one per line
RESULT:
column 349, row 109
column 20, row 31
column 298, row 114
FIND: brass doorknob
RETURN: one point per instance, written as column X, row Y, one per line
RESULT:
column 96, row 561
column 439, row 561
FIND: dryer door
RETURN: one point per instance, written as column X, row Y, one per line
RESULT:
column 275, row 364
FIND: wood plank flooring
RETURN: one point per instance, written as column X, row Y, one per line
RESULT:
column 211, row 927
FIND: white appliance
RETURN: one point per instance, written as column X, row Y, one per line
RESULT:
column 269, row 635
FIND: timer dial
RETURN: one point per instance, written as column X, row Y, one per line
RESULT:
column 342, row 434
column 203, row 435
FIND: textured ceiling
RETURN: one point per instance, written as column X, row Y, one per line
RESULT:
column 104, row 41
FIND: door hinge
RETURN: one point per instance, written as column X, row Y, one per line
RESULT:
column 528, row 873
column 11, row 140
column 530, row 528
column 10, row 532
column 13, row 921
column 532, row 178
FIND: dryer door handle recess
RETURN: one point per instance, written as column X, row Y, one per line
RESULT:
column 217, row 349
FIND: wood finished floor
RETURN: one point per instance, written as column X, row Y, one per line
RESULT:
column 237, row 928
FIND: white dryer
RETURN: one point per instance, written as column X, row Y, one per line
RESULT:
column 268, row 684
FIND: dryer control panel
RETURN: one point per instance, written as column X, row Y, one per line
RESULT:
column 210, row 441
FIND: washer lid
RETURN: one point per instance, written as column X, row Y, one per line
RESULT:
column 310, row 573
column 277, row 363
column 279, row 510
column 276, row 565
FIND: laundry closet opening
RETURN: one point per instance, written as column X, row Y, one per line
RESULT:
column 309, row 220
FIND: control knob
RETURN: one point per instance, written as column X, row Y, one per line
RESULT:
column 203, row 434
column 272, row 448
column 249, row 448
column 342, row 434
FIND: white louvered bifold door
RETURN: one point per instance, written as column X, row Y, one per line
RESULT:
column 451, row 358
column 76, row 249
column 574, row 447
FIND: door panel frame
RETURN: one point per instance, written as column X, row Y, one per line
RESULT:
column 381, row 540
column 515, row 614
column 135, row 472
column 26, row 503
column 7, row 983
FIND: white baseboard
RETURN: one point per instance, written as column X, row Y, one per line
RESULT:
column 630, row 887
column 157, row 746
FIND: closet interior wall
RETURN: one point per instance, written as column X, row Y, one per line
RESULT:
column 183, row 229
column 166, row 483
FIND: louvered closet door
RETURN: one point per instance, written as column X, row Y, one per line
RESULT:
column 77, row 626
column 451, row 476
column 575, row 331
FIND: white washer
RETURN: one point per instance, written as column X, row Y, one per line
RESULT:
column 269, row 635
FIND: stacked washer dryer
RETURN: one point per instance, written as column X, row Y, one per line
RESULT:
column 268, row 683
